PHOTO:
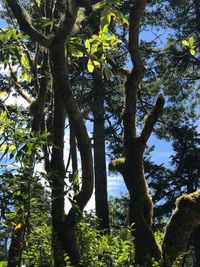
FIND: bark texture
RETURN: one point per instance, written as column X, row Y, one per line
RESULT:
column 140, row 206
column 183, row 222
column 101, row 198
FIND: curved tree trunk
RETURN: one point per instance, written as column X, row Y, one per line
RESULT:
column 64, row 226
column 141, row 207
column 64, row 103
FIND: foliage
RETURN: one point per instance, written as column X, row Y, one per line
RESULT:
column 105, row 250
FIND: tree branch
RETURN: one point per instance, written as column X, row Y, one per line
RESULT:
column 67, row 23
column 25, row 25
column 19, row 89
column 152, row 119
column 134, row 24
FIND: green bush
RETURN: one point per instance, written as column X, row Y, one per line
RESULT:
column 105, row 250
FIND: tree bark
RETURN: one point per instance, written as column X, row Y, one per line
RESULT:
column 101, row 197
column 140, row 206
column 64, row 103
column 196, row 243
column 183, row 222
column 64, row 225
column 15, row 249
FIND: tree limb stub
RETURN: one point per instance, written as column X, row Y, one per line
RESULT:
column 152, row 119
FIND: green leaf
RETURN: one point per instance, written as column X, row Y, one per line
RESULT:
column 90, row 66
column 87, row 45
column 44, row 135
column 3, row 94
column 191, row 41
column 98, row 5
column 105, row 19
column 2, row 264
column 26, row 76
column 5, row 148
column 96, row 63
column 185, row 43
column 24, row 61
column 192, row 51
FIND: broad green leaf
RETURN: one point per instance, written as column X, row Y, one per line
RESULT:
column 90, row 66
column 44, row 135
column 38, row 2
column 6, row 147
column 87, row 45
column 192, row 51
column 185, row 43
column 17, row 228
column 25, row 76
column 105, row 19
column 24, row 61
column 191, row 41
column 3, row 94
column 96, row 63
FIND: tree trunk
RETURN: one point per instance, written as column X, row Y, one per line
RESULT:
column 140, row 207
column 15, row 249
column 64, row 226
column 196, row 234
column 197, row 13
column 101, row 197
column 179, row 229
column 196, row 243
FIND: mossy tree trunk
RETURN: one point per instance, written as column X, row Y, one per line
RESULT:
column 64, row 225
column 140, row 207
column 180, row 227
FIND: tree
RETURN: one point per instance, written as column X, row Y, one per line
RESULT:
column 140, row 207
column 55, row 30
column 64, row 233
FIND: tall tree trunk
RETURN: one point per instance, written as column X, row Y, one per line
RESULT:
column 196, row 234
column 101, row 197
column 64, row 226
column 140, row 206
column 15, row 249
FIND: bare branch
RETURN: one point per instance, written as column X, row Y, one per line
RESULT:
column 19, row 89
column 152, row 119
column 25, row 25
column 134, row 24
